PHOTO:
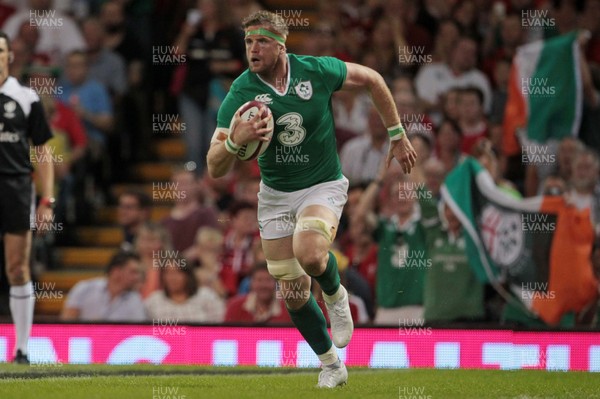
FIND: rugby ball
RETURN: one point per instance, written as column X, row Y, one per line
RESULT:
column 253, row 149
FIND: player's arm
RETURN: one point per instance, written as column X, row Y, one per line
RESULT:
column 359, row 77
column 222, row 153
column 368, row 199
column 45, row 171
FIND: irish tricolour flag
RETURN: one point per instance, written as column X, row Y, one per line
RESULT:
column 535, row 251
column 544, row 93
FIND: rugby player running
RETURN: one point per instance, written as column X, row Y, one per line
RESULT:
column 301, row 196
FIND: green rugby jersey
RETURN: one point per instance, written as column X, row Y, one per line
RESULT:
column 303, row 149
column 401, row 264
column 452, row 291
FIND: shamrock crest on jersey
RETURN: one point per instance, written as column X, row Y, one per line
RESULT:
column 304, row 90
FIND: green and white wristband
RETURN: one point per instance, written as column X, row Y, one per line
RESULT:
column 231, row 147
column 396, row 132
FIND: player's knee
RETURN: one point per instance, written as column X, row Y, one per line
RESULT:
column 312, row 260
column 316, row 225
column 286, row 269
column 17, row 275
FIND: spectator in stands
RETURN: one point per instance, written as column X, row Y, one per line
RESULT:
column 382, row 44
column 153, row 244
column 355, row 191
column 207, row 259
column 118, row 35
column 423, row 142
column 239, row 9
column 351, row 115
column 110, row 298
column 246, row 190
column 450, row 104
column 585, row 184
column 188, row 214
column 433, row 80
column 22, row 60
column 445, row 40
column 484, row 153
column 214, row 49
column 448, row 141
column 511, row 37
column 465, row 15
column 471, row 119
column 500, row 94
column 261, row 305
column 410, row 112
column 6, row 10
column 434, row 173
column 31, row 36
column 400, row 260
column 433, row 12
column 565, row 154
column 182, row 299
column 239, row 241
column 105, row 66
column 88, row 98
column 362, row 251
column 325, row 42
column 56, row 41
column 452, row 292
column 568, row 149
column 362, row 156
column 403, row 83
column 133, row 211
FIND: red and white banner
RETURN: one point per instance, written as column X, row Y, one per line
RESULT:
column 405, row 347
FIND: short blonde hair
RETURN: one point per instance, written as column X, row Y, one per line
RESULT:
column 272, row 20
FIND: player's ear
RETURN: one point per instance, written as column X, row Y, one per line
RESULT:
column 11, row 57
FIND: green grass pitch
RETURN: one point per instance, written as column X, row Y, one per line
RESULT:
column 189, row 382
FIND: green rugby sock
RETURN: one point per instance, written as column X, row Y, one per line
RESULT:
column 311, row 323
column 330, row 279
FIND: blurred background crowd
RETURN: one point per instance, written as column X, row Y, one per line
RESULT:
column 131, row 89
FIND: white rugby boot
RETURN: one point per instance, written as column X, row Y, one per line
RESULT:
column 342, row 326
column 333, row 376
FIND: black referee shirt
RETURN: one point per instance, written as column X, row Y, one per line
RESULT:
column 21, row 119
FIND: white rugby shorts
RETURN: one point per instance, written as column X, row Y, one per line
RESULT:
column 278, row 210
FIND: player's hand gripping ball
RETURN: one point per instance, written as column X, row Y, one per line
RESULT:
column 255, row 148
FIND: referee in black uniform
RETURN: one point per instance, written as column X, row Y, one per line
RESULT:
column 22, row 124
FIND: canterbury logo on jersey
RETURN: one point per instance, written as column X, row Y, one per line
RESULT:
column 8, row 137
column 264, row 98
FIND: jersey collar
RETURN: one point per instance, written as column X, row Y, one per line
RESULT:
column 287, row 83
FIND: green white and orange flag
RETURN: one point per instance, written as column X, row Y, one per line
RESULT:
column 545, row 94
column 536, row 251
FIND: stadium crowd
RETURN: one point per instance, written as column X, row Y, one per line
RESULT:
column 448, row 64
